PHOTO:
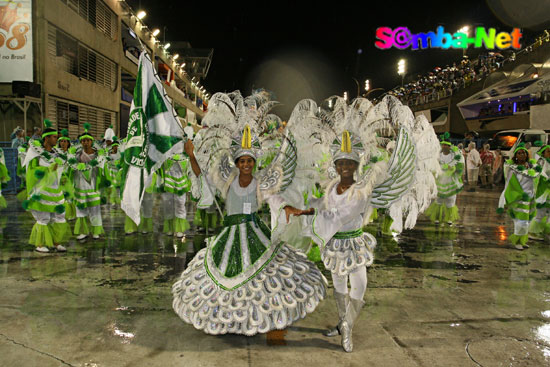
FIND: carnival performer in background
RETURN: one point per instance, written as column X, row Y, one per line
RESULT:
column 112, row 168
column 108, row 137
column 522, row 178
column 176, row 184
column 146, row 222
column 246, row 280
column 449, row 183
column 86, row 171
column 360, row 180
column 540, row 226
column 63, row 146
column 21, row 172
column 46, row 200
column 4, row 177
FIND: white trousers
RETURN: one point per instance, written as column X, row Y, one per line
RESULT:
column 541, row 213
column 521, row 227
column 147, row 205
column 94, row 213
column 174, row 206
column 45, row 218
column 448, row 202
column 357, row 279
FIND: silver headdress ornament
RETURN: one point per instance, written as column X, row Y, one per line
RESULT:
column 245, row 144
column 347, row 146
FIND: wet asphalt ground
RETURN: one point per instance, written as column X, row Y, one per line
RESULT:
column 437, row 296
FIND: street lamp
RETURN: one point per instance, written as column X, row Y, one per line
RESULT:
column 401, row 69
column 466, row 31
column 166, row 46
column 367, row 85
column 345, row 96
column 156, row 31
column 140, row 15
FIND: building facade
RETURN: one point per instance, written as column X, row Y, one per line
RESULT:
column 84, row 65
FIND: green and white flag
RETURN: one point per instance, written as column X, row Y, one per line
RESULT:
column 154, row 134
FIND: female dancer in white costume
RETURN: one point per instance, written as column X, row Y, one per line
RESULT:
column 361, row 181
column 246, row 280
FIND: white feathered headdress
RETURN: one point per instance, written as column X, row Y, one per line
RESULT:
column 234, row 125
column 397, row 153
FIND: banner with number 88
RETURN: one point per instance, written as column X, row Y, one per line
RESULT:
column 16, row 57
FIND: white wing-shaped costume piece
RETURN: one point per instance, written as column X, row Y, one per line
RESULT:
column 394, row 173
column 400, row 172
column 417, row 149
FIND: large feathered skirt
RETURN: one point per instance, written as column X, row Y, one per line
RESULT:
column 288, row 287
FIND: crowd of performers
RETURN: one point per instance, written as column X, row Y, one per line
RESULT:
column 324, row 175
column 526, row 194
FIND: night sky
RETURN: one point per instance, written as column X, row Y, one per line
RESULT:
column 311, row 51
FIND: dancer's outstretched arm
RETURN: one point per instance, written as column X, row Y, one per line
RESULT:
column 190, row 150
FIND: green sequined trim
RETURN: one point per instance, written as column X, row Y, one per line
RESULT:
column 348, row 235
column 235, row 261
column 217, row 250
column 255, row 247
column 235, row 219
column 313, row 229
column 247, row 280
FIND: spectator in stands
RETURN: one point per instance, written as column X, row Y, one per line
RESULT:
column 487, row 160
column 473, row 162
column 19, row 138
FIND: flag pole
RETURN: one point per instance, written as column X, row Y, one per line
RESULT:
column 143, row 49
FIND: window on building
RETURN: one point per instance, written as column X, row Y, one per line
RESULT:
column 66, row 51
column 72, row 116
column 77, row 59
column 97, row 13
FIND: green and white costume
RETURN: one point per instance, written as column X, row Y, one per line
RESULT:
column 540, row 226
column 46, row 200
column 112, row 168
column 4, row 177
column 246, row 280
column 242, row 282
column 402, row 184
column 87, row 174
column 449, row 184
column 519, row 195
column 146, row 222
column 176, row 184
column 22, row 171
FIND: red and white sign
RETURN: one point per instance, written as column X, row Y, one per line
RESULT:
column 16, row 60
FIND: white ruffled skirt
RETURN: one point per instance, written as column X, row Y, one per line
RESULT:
column 343, row 256
column 285, row 290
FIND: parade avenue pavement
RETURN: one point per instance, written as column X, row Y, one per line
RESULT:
column 436, row 296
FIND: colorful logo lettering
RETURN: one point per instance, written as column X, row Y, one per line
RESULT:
column 402, row 38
